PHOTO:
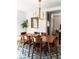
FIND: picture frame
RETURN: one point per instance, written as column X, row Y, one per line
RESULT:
column 34, row 22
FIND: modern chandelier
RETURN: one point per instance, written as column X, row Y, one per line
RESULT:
column 39, row 13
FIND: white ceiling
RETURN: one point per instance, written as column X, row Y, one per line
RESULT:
column 29, row 5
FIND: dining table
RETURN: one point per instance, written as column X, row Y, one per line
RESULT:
column 45, row 39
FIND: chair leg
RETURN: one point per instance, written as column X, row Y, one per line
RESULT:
column 57, row 52
column 40, row 51
column 50, row 53
column 29, row 51
column 32, row 52
column 22, row 49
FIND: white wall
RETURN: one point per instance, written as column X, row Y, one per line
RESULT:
column 21, row 15
column 42, row 25
column 25, row 11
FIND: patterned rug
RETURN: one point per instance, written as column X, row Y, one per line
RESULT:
column 22, row 53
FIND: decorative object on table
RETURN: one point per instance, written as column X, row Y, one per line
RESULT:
column 34, row 22
column 25, row 24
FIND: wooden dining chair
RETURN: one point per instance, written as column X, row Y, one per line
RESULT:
column 29, row 43
column 26, row 40
column 38, row 33
column 44, row 44
column 23, row 37
column 37, row 45
column 52, row 43
column 44, row 34
column 23, row 33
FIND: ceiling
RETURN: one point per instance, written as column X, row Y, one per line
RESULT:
column 29, row 5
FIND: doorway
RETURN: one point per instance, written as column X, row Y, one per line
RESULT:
column 53, row 21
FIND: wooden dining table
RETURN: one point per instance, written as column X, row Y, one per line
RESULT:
column 47, row 38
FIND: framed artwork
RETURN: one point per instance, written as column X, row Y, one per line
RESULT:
column 34, row 22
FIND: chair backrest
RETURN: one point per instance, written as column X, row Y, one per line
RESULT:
column 36, row 33
column 38, row 39
column 51, row 39
column 23, row 33
column 44, row 38
column 44, row 34
column 24, row 37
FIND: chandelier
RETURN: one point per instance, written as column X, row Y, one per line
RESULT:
column 39, row 13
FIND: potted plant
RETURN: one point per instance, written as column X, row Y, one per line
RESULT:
column 25, row 24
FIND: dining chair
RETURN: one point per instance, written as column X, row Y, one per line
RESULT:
column 24, row 39
column 38, row 33
column 23, row 33
column 29, row 42
column 37, row 45
column 43, row 34
column 52, row 43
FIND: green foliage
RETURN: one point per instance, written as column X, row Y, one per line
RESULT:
column 25, row 24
